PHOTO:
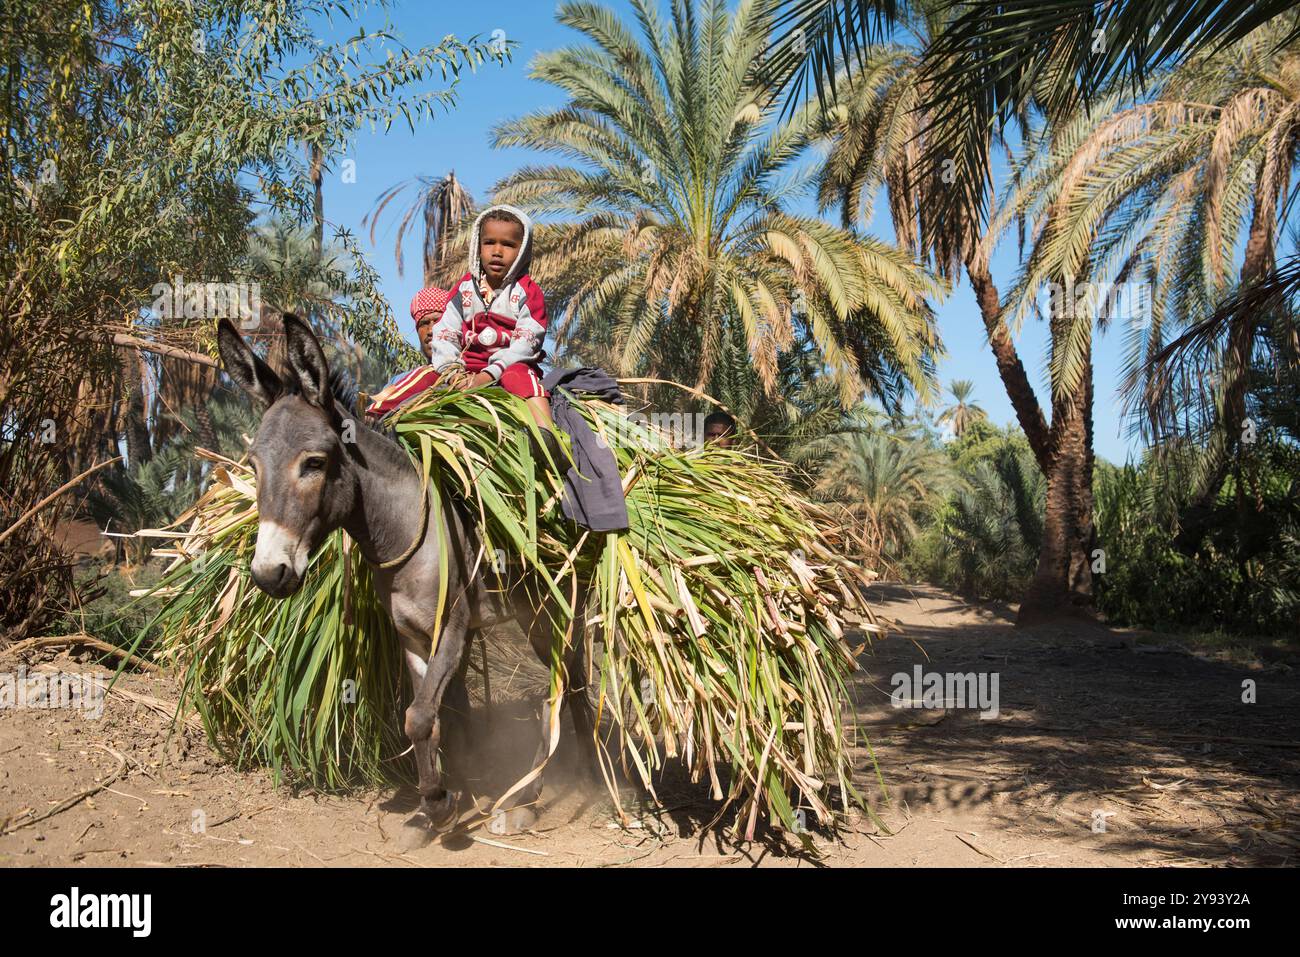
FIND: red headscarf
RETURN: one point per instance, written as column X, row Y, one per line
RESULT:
column 427, row 300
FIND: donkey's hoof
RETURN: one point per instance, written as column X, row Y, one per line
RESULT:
column 512, row 821
column 440, row 812
column 417, row 831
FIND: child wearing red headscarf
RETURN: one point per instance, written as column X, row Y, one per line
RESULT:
column 426, row 309
column 491, row 324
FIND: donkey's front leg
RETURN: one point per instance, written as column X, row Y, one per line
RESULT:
column 424, row 729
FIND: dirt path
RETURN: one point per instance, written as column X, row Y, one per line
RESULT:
column 1092, row 726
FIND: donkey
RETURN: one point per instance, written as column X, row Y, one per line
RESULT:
column 310, row 482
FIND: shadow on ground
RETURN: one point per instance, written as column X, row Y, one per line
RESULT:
column 1147, row 750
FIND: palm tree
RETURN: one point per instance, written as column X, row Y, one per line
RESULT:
column 962, row 412
column 993, row 526
column 296, row 276
column 442, row 205
column 672, row 230
column 146, row 494
column 994, row 61
column 804, row 424
column 878, row 128
column 885, row 482
column 1165, row 192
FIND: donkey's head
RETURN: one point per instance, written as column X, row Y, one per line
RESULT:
column 305, row 488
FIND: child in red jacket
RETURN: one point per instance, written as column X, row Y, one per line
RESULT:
column 490, row 324
column 495, row 321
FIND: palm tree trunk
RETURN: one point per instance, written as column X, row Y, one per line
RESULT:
column 435, row 213
column 207, row 434
column 1062, row 583
column 138, row 449
column 445, row 206
column 316, row 159
column 1010, row 368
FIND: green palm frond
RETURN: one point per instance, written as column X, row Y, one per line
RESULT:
column 670, row 204
column 885, row 483
column 988, row 63
column 440, row 205
column 963, row 412
column 1164, row 192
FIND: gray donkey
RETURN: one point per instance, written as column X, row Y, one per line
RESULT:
column 310, row 481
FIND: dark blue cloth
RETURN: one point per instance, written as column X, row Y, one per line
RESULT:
column 593, row 486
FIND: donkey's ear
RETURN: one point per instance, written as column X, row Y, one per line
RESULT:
column 242, row 364
column 307, row 363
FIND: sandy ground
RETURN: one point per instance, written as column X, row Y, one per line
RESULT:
column 1110, row 748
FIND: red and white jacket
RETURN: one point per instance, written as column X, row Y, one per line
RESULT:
column 492, row 336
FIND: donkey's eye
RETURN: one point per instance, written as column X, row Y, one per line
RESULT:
column 315, row 463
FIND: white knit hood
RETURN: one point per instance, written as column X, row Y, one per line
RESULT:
column 520, row 265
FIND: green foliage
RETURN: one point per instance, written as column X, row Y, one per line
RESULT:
column 152, row 494
column 1176, row 200
column 1244, row 574
column 964, row 412
column 967, row 515
column 983, row 441
column 312, row 688
column 147, row 495
column 987, row 65
column 673, row 227
column 105, row 608
column 224, row 421
column 159, row 117
column 719, row 610
column 886, row 483
column 798, row 422
column 985, row 538
column 138, row 138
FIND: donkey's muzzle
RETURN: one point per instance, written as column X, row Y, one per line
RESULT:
column 279, row 560
column 278, row 581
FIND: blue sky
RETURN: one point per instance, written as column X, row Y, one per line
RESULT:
column 459, row 139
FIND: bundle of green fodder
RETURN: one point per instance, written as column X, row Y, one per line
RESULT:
column 310, row 686
column 721, row 613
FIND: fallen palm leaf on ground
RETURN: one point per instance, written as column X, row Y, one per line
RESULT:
column 722, row 613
